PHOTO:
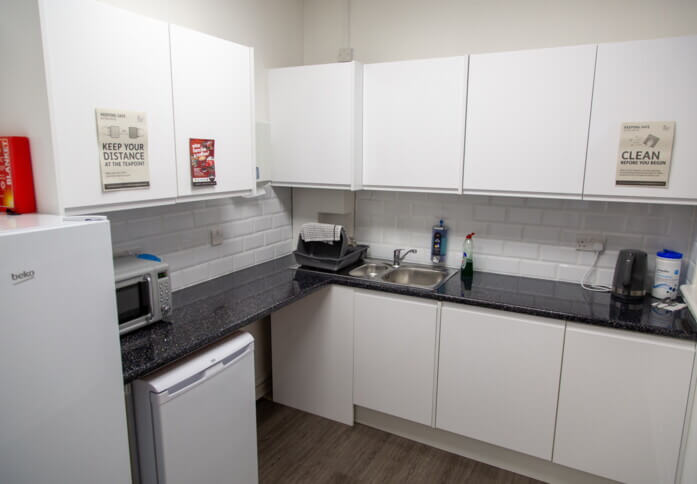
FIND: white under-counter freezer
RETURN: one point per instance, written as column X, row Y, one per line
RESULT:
column 196, row 419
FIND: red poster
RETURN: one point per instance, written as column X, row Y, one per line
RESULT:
column 202, row 161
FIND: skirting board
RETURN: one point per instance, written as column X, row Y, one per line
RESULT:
column 262, row 388
column 476, row 450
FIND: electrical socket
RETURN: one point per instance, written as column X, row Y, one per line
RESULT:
column 589, row 244
column 216, row 236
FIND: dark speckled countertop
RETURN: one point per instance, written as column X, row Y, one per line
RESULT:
column 214, row 309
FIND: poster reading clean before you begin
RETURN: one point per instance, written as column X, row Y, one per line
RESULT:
column 122, row 138
column 644, row 154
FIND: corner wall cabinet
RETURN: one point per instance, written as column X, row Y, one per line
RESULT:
column 315, row 115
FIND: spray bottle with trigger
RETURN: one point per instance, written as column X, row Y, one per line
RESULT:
column 467, row 267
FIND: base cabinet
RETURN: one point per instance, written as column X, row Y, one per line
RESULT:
column 395, row 355
column 622, row 404
column 312, row 354
column 498, row 378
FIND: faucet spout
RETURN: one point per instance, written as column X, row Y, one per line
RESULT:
column 398, row 257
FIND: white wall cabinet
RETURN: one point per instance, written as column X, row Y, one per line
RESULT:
column 82, row 55
column 315, row 115
column 527, row 122
column 651, row 80
column 622, row 404
column 98, row 56
column 414, row 124
column 312, row 354
column 498, row 377
column 212, row 86
column 395, row 355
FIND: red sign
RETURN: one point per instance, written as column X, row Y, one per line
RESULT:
column 202, row 161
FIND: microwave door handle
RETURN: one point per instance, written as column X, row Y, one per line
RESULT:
column 148, row 278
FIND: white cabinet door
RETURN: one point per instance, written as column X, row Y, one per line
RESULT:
column 527, row 121
column 498, row 378
column 98, row 56
column 212, row 85
column 622, row 404
column 395, row 353
column 312, row 354
column 414, row 124
column 315, row 117
column 651, row 80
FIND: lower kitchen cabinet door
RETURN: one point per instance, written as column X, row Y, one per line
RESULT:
column 395, row 355
column 498, row 377
column 622, row 404
column 312, row 354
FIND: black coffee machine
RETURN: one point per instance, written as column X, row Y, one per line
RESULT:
column 629, row 283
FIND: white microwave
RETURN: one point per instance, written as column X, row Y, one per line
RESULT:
column 143, row 292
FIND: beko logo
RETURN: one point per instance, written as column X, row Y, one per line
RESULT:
column 23, row 276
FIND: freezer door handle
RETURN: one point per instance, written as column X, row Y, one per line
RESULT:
column 199, row 377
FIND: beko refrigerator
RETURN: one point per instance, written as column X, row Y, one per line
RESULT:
column 62, row 410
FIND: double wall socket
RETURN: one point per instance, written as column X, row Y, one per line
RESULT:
column 589, row 243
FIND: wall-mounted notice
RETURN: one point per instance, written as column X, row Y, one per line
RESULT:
column 202, row 161
column 122, row 137
column 645, row 152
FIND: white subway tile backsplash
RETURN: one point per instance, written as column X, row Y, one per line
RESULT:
column 558, row 218
column 524, row 215
column 206, row 216
column 240, row 261
column 489, row 213
column 530, row 237
column 253, row 241
column 521, row 250
column 536, row 268
column 541, row 233
column 555, row 253
column 254, row 230
column 175, row 222
column 504, row 231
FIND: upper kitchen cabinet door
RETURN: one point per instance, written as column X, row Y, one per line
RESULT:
column 102, row 57
column 652, row 80
column 315, row 115
column 414, row 124
column 527, row 122
column 212, row 85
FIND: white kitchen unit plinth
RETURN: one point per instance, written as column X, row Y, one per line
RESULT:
column 527, row 122
column 622, row 404
column 498, row 377
column 395, row 355
column 414, row 124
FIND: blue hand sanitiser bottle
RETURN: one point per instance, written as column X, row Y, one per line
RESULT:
column 439, row 243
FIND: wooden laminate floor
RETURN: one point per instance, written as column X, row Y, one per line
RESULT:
column 297, row 447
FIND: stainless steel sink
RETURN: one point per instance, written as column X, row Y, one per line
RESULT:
column 406, row 274
column 417, row 276
column 371, row 270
